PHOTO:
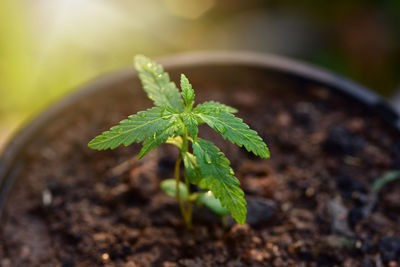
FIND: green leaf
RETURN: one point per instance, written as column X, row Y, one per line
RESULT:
column 214, row 106
column 208, row 199
column 219, row 178
column 156, row 83
column 144, row 124
column 190, row 120
column 235, row 130
column 386, row 178
column 158, row 139
column 192, row 169
column 187, row 92
column 169, row 188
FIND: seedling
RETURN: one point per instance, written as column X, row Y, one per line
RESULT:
column 174, row 120
column 385, row 179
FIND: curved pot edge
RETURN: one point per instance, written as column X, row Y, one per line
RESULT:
column 295, row 68
column 281, row 64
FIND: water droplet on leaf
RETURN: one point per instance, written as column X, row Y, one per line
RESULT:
column 207, row 158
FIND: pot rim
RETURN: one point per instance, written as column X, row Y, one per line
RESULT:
column 291, row 67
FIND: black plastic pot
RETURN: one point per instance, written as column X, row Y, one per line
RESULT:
column 11, row 162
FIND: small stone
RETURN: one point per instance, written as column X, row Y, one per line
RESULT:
column 310, row 191
column 260, row 210
column 25, row 252
column 105, row 256
column 100, row 237
column 239, row 231
column 47, row 197
column 356, row 125
column 256, row 255
column 341, row 141
column 284, row 119
column 389, row 247
column 338, row 216
column 305, row 113
column 336, row 241
column 256, row 240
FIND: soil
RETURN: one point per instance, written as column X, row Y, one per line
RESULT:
column 311, row 203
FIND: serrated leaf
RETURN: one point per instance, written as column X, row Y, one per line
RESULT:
column 192, row 169
column 169, row 188
column 208, row 199
column 156, row 83
column 219, row 178
column 187, row 92
column 158, row 139
column 235, row 130
column 214, row 106
column 136, row 128
column 190, row 120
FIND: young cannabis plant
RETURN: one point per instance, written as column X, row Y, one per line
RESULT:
column 175, row 120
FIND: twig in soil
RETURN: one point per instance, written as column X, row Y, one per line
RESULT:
column 123, row 167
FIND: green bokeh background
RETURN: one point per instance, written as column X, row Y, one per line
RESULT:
column 49, row 48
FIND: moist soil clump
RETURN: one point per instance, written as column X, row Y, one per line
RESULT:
column 310, row 204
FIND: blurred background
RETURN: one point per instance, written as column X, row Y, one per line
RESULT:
column 49, row 48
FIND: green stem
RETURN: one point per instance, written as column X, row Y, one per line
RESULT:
column 178, row 193
column 224, row 220
column 185, row 148
column 189, row 204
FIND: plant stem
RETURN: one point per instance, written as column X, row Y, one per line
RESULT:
column 177, row 181
column 189, row 211
column 224, row 220
column 189, row 203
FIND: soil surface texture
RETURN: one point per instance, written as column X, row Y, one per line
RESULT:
column 311, row 204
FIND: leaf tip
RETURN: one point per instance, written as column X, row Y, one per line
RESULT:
column 266, row 154
column 139, row 58
column 92, row 144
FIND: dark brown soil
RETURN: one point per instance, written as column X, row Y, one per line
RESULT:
column 312, row 204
